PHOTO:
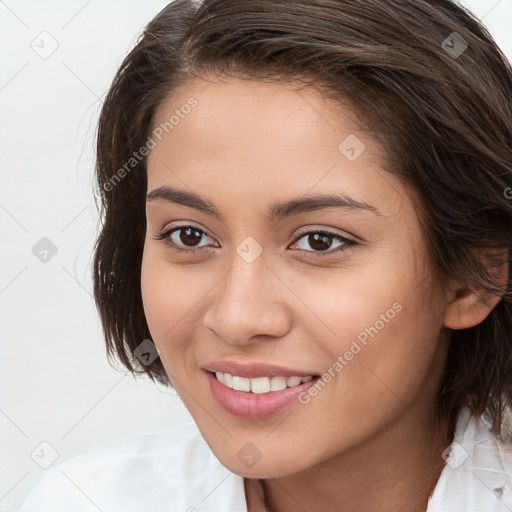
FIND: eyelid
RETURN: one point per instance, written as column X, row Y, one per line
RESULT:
column 331, row 231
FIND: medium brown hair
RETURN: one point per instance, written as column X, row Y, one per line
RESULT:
column 444, row 120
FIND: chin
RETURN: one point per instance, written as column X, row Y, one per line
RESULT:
column 249, row 462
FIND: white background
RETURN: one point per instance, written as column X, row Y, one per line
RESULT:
column 56, row 385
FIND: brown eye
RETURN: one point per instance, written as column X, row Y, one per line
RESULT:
column 321, row 241
column 181, row 237
column 189, row 236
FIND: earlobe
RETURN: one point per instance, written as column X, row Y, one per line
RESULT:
column 468, row 308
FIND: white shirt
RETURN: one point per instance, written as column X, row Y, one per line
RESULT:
column 177, row 472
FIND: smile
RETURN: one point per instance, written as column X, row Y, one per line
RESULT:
column 260, row 385
column 256, row 398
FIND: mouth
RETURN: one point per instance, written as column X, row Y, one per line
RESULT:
column 259, row 397
column 260, row 385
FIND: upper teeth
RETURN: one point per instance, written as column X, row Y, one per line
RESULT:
column 259, row 384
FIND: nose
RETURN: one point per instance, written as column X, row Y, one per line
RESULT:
column 249, row 303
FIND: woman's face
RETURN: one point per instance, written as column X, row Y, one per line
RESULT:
column 282, row 283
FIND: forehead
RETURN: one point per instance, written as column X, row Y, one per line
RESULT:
column 250, row 108
column 255, row 119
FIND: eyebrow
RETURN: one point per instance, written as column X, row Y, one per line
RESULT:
column 277, row 210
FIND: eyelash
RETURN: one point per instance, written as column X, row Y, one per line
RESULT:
column 347, row 242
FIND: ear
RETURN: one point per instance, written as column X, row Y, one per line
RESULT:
column 467, row 308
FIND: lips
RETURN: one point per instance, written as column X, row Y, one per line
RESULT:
column 254, row 370
column 245, row 391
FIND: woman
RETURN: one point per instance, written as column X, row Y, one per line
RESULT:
column 307, row 225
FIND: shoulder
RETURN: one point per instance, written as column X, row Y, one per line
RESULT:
column 175, row 470
column 478, row 471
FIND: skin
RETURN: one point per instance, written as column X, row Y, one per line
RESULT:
column 368, row 440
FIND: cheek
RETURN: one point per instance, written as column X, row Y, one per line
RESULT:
column 155, row 297
column 169, row 298
column 387, row 321
column 392, row 358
